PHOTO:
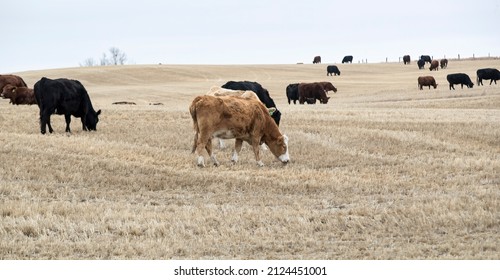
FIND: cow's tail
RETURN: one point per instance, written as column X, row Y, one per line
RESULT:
column 192, row 111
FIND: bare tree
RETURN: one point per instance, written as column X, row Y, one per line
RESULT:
column 89, row 62
column 117, row 57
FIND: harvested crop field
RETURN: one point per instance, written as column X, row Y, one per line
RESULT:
column 383, row 171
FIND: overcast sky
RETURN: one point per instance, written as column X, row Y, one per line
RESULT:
column 42, row 34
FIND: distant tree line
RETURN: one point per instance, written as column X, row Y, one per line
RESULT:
column 115, row 57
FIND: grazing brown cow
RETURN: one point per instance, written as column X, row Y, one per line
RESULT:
column 11, row 80
column 244, row 119
column 219, row 91
column 317, row 59
column 434, row 65
column 426, row 81
column 444, row 63
column 309, row 92
column 19, row 95
column 327, row 86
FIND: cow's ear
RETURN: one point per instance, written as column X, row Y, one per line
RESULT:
column 98, row 112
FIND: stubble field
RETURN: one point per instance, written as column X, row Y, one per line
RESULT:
column 383, row 171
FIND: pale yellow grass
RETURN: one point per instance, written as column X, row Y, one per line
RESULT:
column 384, row 171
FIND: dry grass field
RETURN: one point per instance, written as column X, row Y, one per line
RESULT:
column 383, row 171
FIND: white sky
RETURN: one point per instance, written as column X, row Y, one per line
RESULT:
column 42, row 34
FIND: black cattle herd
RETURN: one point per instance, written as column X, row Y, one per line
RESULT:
column 70, row 98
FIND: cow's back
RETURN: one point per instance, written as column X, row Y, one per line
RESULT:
column 261, row 92
column 210, row 114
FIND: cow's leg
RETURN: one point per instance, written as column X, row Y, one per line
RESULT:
column 84, row 124
column 256, row 151
column 221, row 144
column 211, row 153
column 204, row 141
column 68, row 121
column 237, row 148
column 44, row 121
column 200, row 145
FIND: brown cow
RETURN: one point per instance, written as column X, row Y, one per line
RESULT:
column 327, row 86
column 444, row 63
column 426, row 81
column 19, row 95
column 317, row 59
column 312, row 91
column 11, row 80
column 244, row 119
column 434, row 65
column 219, row 91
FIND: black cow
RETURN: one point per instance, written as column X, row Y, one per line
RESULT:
column 420, row 64
column 261, row 92
column 292, row 93
column 426, row 58
column 459, row 78
column 64, row 97
column 332, row 69
column 406, row 59
column 347, row 58
column 317, row 59
column 487, row 74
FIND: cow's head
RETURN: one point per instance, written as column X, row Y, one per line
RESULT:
column 435, row 85
column 279, row 148
column 324, row 100
column 92, row 119
column 329, row 86
column 9, row 90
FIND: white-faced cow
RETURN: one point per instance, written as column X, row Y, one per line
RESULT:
column 64, row 97
column 230, row 117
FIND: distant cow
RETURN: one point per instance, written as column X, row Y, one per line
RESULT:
column 406, row 59
column 434, row 65
column 420, row 64
column 487, row 74
column 229, row 117
column 317, row 59
column 292, row 93
column 444, row 63
column 309, row 92
column 11, row 80
column 347, row 58
column 332, row 69
column 426, row 58
column 261, row 92
column 426, row 81
column 64, row 97
column 19, row 95
column 459, row 78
